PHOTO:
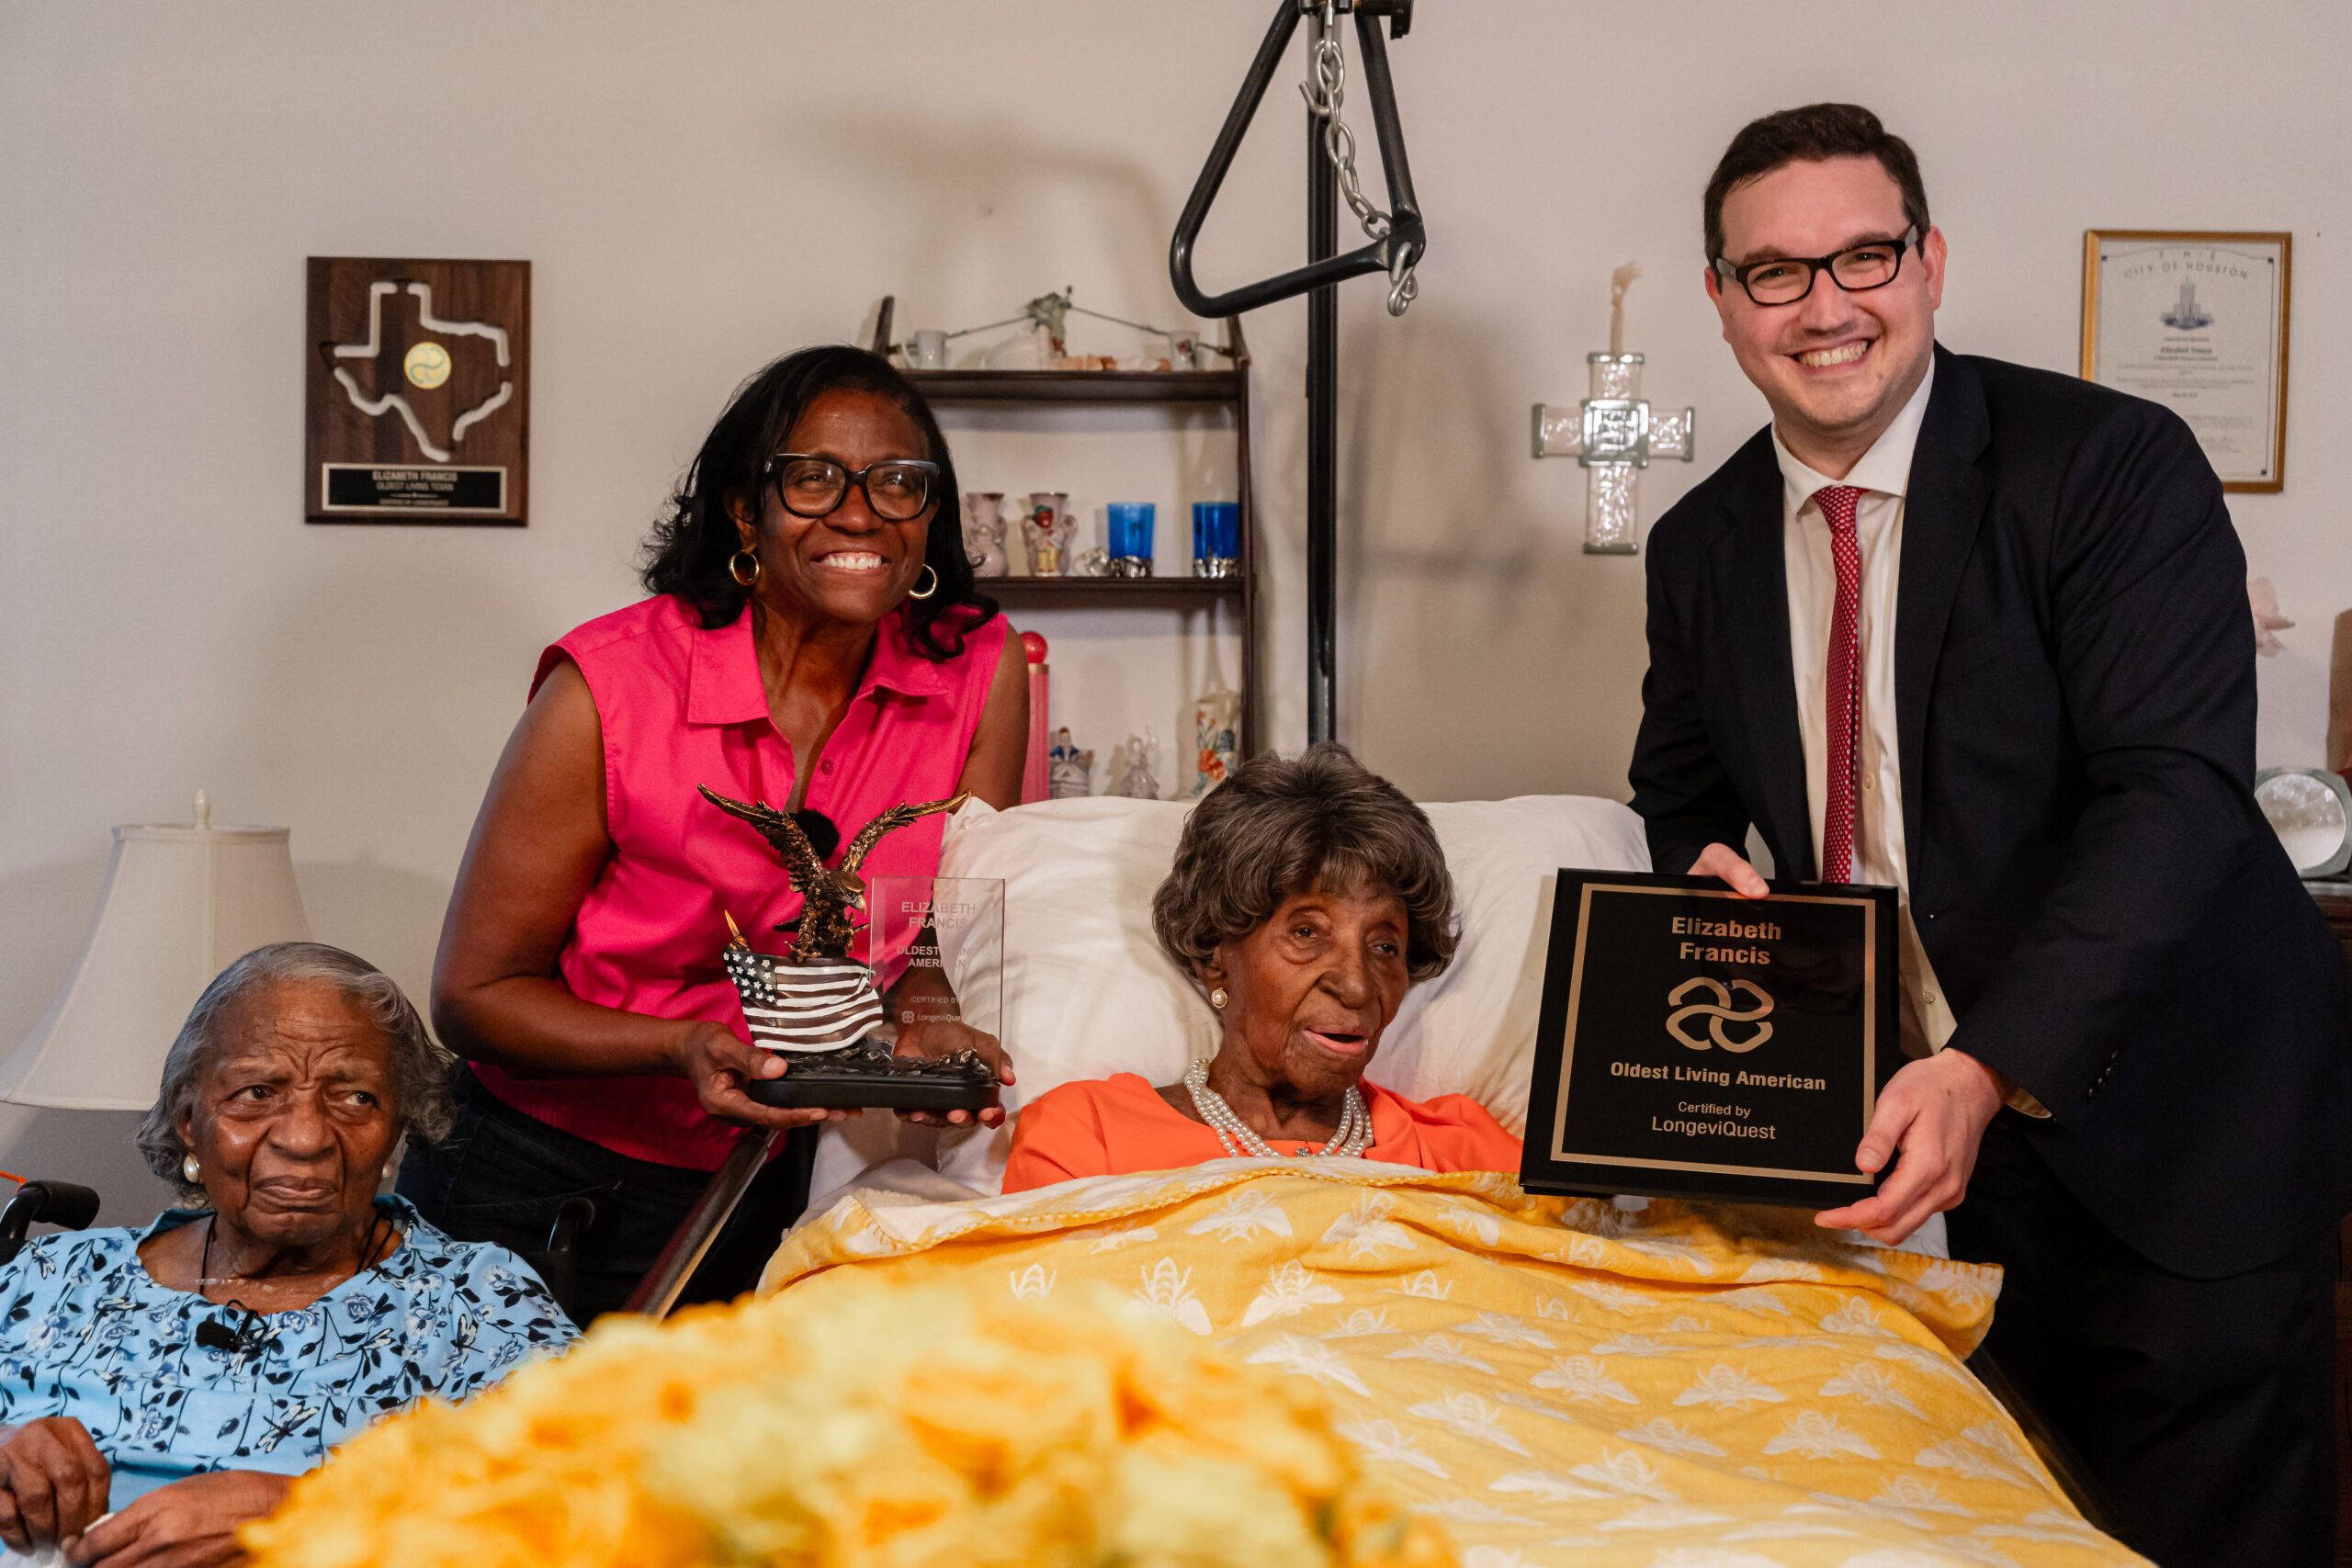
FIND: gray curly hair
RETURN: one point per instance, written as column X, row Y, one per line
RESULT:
column 421, row 1067
column 1279, row 826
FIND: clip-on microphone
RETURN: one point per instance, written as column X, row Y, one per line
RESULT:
column 215, row 1334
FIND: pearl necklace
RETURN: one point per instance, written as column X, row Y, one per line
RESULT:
column 1348, row 1141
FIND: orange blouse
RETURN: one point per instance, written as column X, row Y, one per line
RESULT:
column 1110, row 1126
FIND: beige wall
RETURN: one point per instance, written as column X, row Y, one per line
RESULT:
column 702, row 184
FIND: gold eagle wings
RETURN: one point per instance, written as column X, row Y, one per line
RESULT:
column 827, row 891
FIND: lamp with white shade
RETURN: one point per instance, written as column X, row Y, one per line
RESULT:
column 181, row 904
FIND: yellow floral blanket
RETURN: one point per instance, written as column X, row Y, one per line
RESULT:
column 1558, row 1381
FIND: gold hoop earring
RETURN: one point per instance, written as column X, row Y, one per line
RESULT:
column 1217, row 998
column 735, row 569
column 925, row 593
column 192, row 1171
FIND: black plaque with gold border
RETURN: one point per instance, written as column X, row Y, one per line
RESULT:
column 1694, row 1044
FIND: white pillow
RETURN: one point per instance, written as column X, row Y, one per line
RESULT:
column 1088, row 992
column 1472, row 1030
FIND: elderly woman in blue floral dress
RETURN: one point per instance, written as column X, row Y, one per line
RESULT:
column 161, row 1386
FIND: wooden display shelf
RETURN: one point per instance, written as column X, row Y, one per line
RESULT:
column 1080, row 386
column 1182, row 592
column 1228, row 388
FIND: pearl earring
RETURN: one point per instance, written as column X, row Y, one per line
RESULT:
column 1217, row 998
column 191, row 1170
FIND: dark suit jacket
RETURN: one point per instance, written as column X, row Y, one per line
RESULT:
column 2116, row 926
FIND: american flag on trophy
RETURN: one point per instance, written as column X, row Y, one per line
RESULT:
column 818, row 1006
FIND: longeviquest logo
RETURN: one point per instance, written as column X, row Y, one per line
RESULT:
column 1717, row 1013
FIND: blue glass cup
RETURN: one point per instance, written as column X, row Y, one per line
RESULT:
column 1128, row 529
column 1217, row 538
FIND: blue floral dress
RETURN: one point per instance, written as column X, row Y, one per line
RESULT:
column 86, row 1332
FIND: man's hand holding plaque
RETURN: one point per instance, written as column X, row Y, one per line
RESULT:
column 1932, row 1115
column 1721, row 860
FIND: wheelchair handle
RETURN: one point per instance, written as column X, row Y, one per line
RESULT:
column 64, row 1205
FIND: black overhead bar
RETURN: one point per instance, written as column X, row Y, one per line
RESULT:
column 1395, row 251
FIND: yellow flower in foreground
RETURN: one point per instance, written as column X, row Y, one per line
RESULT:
column 859, row 1425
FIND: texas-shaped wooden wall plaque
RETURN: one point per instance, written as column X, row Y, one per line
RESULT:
column 417, row 392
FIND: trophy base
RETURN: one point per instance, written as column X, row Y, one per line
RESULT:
column 867, row 1076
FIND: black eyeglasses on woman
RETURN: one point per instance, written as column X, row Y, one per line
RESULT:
column 897, row 489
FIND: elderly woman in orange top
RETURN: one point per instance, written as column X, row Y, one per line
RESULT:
column 1306, row 895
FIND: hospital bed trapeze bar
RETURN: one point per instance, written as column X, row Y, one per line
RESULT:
column 1397, row 242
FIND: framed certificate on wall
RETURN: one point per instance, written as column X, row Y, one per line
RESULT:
column 2197, row 322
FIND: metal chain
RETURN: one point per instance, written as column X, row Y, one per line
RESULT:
column 1323, row 91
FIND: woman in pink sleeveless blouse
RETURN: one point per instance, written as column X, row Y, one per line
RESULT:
column 815, row 640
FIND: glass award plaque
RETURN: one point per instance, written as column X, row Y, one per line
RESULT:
column 948, row 934
column 1695, row 1043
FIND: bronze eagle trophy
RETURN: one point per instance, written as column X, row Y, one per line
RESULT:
column 827, row 894
column 815, row 1003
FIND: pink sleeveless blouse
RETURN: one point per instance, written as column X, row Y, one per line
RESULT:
column 682, row 707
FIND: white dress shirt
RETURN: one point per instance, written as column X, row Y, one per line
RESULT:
column 1881, row 475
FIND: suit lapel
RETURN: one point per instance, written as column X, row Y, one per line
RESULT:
column 1942, row 510
column 1753, row 583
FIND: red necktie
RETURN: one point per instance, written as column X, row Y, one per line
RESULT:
column 1843, row 680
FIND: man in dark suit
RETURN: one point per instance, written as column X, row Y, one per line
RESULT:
column 1981, row 632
